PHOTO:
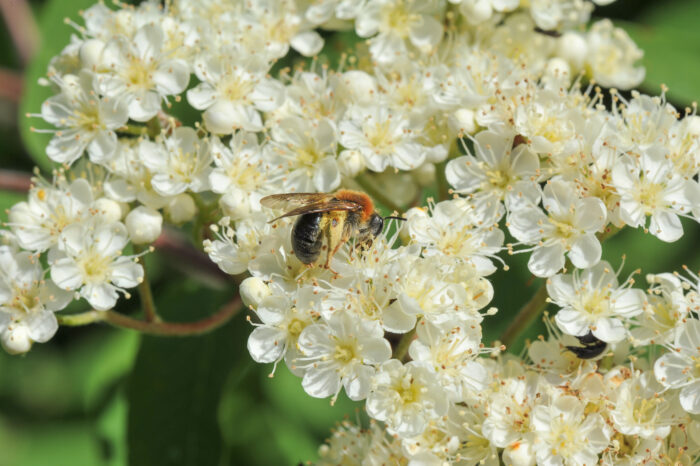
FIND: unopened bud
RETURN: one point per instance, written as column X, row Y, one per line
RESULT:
column 253, row 290
column 350, row 163
column 110, row 210
column 144, row 225
column 424, row 175
column 236, row 204
column 90, row 52
column 17, row 340
column 464, row 121
column 180, row 208
column 573, row 49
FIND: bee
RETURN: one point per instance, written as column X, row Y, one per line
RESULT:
column 592, row 347
column 335, row 217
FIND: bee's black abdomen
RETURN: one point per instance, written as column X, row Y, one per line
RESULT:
column 592, row 347
column 307, row 238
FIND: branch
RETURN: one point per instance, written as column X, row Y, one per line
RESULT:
column 12, row 180
column 22, row 27
column 402, row 347
column 176, row 329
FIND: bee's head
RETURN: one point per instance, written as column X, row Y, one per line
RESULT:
column 375, row 224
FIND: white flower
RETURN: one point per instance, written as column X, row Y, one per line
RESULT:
column 451, row 350
column 278, row 24
column 639, row 408
column 89, row 261
column 282, row 321
column 341, row 352
column 27, row 301
column 180, row 208
column 478, row 11
column 382, row 138
column 593, row 301
column 85, row 121
column 558, row 364
column 459, row 228
column 307, row 151
column 373, row 300
column 233, row 90
column 348, row 444
column 391, row 22
column 140, row 72
column 465, row 422
column 38, row 221
column 441, row 288
column 406, row 397
column 666, row 310
column 566, row 435
column 497, row 169
column 253, row 290
column 178, row 162
column 569, row 226
column 242, row 174
column 144, row 225
column 235, row 247
column 680, row 369
column 130, row 179
column 649, row 185
column 554, row 14
column 508, row 422
column 612, row 56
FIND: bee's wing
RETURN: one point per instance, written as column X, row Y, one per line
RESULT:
column 289, row 201
column 328, row 205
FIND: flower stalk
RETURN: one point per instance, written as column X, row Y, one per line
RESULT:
column 158, row 327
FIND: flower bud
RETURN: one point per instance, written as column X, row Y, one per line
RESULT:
column 144, row 225
column 359, row 86
column 16, row 341
column 90, row 53
column 110, row 210
column 253, row 290
column 477, row 12
column 464, row 121
column 573, row 49
column 424, row 175
column 557, row 73
column 693, row 125
column 235, row 204
column 180, row 208
column 350, row 163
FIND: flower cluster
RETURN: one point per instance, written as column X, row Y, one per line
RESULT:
column 492, row 107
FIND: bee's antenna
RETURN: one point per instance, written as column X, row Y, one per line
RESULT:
column 395, row 218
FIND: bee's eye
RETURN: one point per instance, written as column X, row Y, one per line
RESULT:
column 376, row 223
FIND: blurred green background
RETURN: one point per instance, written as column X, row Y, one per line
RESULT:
column 101, row 396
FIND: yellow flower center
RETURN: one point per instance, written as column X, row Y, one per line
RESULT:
column 94, row 266
column 237, row 88
column 396, row 19
column 345, row 352
column 649, row 195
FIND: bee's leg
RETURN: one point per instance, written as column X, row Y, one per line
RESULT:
column 336, row 237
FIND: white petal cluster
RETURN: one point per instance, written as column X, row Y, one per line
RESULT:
column 478, row 119
column 591, row 300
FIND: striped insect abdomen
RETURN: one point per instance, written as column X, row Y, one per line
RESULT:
column 307, row 238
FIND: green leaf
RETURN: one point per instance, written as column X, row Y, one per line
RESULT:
column 670, row 38
column 284, row 390
column 55, row 35
column 7, row 200
column 68, row 443
column 176, row 384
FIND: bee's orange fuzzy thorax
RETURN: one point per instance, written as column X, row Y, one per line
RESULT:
column 359, row 198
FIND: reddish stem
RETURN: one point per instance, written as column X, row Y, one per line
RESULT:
column 178, row 329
